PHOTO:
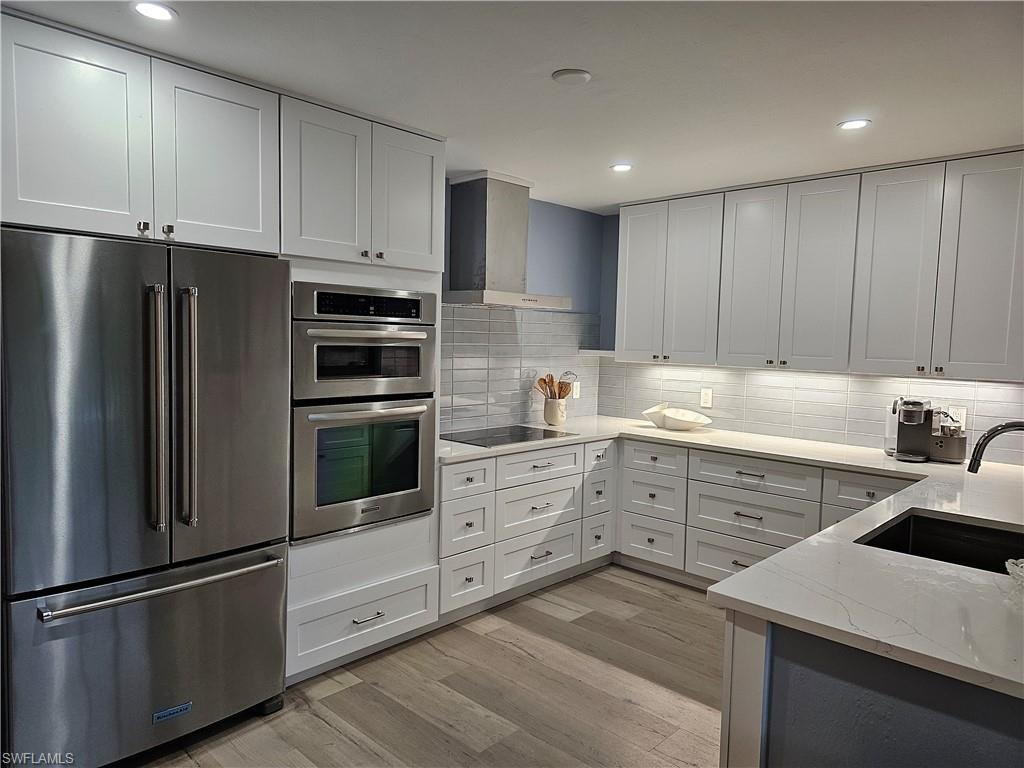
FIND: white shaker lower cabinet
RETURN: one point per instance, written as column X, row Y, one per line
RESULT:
column 831, row 514
column 545, row 464
column 651, row 539
column 467, row 523
column 467, row 578
column 598, row 536
column 894, row 276
column 600, row 491
column 817, row 274
column 407, row 191
column 325, row 183
column 716, row 556
column 77, row 136
column 979, row 303
column 467, row 479
column 328, row 629
column 535, row 555
column 654, row 457
column 648, row 493
column 764, row 517
column 640, row 315
column 797, row 480
column 753, row 243
column 858, row 491
column 215, row 160
column 529, row 508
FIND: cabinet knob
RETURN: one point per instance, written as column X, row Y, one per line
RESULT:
column 167, row 229
column 469, row 479
column 654, row 458
column 365, row 254
column 597, row 537
column 469, row 579
column 920, row 369
column 379, row 255
column 654, row 357
column 664, row 357
column 599, row 493
column 869, row 494
column 143, row 227
column 770, row 362
column 783, row 362
column 650, row 539
column 938, row 369
column 469, row 523
column 652, row 495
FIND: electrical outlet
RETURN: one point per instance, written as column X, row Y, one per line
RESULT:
column 706, row 400
column 576, row 390
column 958, row 412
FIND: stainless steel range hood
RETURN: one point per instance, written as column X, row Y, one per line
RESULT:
column 489, row 224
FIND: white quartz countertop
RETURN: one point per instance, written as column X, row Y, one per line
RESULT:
column 962, row 622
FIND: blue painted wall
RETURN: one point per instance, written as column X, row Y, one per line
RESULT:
column 609, row 279
column 563, row 254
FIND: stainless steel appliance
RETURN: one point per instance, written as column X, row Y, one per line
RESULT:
column 914, row 430
column 493, row 436
column 353, row 342
column 364, row 429
column 145, row 472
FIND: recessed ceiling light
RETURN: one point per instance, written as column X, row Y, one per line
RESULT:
column 156, row 11
column 855, row 124
column 571, row 76
column 622, row 167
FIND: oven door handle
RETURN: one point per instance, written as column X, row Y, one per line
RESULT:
column 382, row 414
column 338, row 333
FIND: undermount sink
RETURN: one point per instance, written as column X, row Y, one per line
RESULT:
column 928, row 534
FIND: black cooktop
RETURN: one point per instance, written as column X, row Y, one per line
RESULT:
column 493, row 436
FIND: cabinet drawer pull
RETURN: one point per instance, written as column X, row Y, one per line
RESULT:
column 599, row 492
column 542, row 506
column 744, row 514
column 469, row 579
column 377, row 615
column 544, row 466
column 541, row 557
column 744, row 473
column 738, row 564
column 869, row 494
column 470, row 523
column 652, row 495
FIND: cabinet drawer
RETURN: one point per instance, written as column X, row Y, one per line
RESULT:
column 471, row 477
column 783, row 478
column 857, row 491
column 599, row 491
column 598, row 535
column 661, row 496
column 715, row 555
column 763, row 517
column 525, row 558
column 602, row 455
column 467, row 523
column 648, row 538
column 467, row 578
column 328, row 629
column 831, row 514
column 664, row 459
column 521, row 468
column 537, row 506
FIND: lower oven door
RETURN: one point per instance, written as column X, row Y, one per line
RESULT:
column 111, row 670
column 361, row 463
column 361, row 360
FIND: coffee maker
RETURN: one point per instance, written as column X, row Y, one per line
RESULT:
column 913, row 429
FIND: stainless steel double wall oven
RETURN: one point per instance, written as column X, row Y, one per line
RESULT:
column 364, row 418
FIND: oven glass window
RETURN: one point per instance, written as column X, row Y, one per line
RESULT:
column 343, row 361
column 366, row 460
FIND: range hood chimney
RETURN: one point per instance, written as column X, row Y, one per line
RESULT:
column 489, row 223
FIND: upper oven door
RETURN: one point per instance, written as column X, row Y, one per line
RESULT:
column 361, row 359
column 356, row 464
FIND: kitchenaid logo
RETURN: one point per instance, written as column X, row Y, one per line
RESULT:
column 37, row 758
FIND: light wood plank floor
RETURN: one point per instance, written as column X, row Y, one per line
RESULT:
column 613, row 668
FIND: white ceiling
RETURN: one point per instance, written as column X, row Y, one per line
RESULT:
column 695, row 95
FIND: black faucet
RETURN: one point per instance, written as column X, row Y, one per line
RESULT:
column 985, row 439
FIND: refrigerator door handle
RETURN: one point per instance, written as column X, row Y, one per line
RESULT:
column 191, row 295
column 46, row 615
column 158, row 400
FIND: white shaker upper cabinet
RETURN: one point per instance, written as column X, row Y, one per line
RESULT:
column 979, row 302
column 215, row 160
column 753, row 238
column 77, row 138
column 408, row 200
column 641, row 289
column 691, row 279
column 894, row 278
column 325, row 183
column 817, row 274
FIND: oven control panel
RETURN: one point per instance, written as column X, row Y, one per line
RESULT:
column 319, row 301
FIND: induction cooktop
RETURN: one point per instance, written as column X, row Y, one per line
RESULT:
column 494, row 436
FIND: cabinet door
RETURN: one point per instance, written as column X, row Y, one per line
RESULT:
column 692, row 269
column 894, row 276
column 325, row 183
column 215, row 160
column 817, row 274
column 77, row 134
column 753, row 237
column 408, row 200
column 979, row 302
column 640, row 306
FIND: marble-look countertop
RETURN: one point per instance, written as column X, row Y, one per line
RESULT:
column 961, row 622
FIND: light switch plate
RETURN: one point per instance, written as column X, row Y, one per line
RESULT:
column 706, row 400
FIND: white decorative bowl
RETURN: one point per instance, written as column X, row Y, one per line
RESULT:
column 665, row 417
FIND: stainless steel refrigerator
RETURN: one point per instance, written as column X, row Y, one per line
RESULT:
column 145, row 490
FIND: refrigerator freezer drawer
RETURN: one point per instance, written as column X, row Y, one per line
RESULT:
column 108, row 671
